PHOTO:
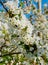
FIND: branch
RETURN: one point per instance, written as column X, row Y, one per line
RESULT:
column 13, row 49
column 10, row 54
column 3, row 6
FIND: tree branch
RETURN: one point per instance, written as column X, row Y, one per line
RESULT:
column 3, row 6
column 7, row 54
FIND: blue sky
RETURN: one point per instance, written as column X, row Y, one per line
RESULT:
column 43, row 2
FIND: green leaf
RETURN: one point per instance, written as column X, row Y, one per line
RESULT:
column 21, row 58
column 21, row 4
column 21, row 43
column 20, row 16
column 45, row 58
column 14, row 35
column 24, row 29
column 46, row 12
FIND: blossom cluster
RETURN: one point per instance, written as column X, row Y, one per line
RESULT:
column 17, row 34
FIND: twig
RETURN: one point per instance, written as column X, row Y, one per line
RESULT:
column 13, row 49
column 3, row 6
column 7, row 54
